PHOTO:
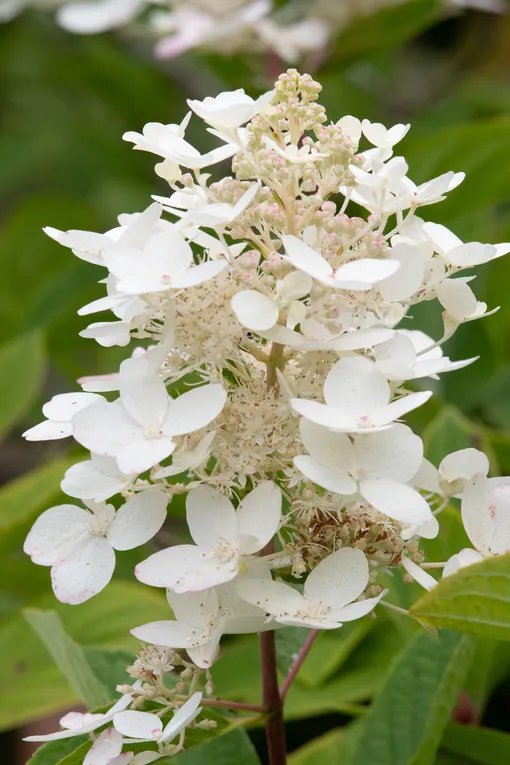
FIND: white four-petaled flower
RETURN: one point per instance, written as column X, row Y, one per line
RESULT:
column 79, row 544
column 328, row 595
column 222, row 536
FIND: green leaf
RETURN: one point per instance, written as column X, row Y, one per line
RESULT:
column 21, row 499
column 232, row 748
column 32, row 685
column 109, row 666
column 450, row 431
column 68, row 656
column 476, row 599
column 357, row 681
column 475, row 148
column 289, row 642
column 406, row 721
column 334, row 748
column 22, row 364
column 331, row 650
column 56, row 752
column 482, row 745
column 389, row 27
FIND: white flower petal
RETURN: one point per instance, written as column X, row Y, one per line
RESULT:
column 54, row 531
column 143, row 393
column 194, row 409
column 105, row 429
column 463, row 558
column 254, row 310
column 464, row 463
column 409, row 277
column 48, row 431
column 273, row 597
column 326, row 416
column 457, row 298
column 395, row 454
column 211, row 517
column 355, row 610
column 396, row 500
column 333, row 450
column 141, row 454
column 363, row 274
column 98, row 478
column 84, row 571
column 418, row 574
column 199, row 274
column 65, row 405
column 339, row 578
column 198, row 609
column 182, row 717
column 170, row 634
column 140, row 725
column 356, row 386
column 107, row 746
column 399, row 407
column 339, row 482
column 184, row 568
column 205, row 654
column 258, row 517
column 306, row 259
column 138, row 520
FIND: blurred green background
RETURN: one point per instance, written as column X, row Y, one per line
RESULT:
column 65, row 102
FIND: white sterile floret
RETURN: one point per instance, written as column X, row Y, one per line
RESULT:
column 459, row 302
column 357, row 399
column 382, row 137
column 79, row 723
column 165, row 262
column 406, row 357
column 292, row 40
column 257, row 311
column 456, row 253
column 106, row 749
column 230, row 109
column 168, row 141
column 142, row 727
column 139, row 428
column 98, row 478
column 357, row 275
column 328, row 595
column 486, row 514
column 219, row 214
column 60, row 411
column 201, row 618
column 409, row 277
column 430, row 192
column 378, row 466
column 91, row 18
column 222, row 536
column 187, row 459
column 134, row 230
column 190, row 27
column 79, row 544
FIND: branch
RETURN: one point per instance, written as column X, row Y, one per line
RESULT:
column 303, row 653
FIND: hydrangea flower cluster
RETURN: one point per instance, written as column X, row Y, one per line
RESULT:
column 291, row 31
column 268, row 377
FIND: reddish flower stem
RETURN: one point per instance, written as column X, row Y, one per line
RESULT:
column 275, row 728
column 303, row 653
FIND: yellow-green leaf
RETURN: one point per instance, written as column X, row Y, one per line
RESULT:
column 476, row 599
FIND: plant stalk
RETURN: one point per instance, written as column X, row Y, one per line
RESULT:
column 275, row 728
